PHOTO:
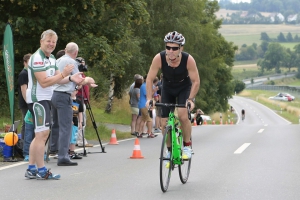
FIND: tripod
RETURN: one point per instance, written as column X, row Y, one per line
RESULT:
column 88, row 107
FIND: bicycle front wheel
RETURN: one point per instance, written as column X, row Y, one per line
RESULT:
column 184, row 170
column 165, row 161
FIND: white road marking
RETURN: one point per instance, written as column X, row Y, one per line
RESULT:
column 266, row 124
column 242, row 148
column 261, row 130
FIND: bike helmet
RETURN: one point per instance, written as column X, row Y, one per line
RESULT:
column 175, row 37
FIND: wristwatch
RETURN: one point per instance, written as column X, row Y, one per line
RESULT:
column 192, row 99
column 70, row 79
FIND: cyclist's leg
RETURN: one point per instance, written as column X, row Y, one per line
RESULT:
column 166, row 97
column 186, row 128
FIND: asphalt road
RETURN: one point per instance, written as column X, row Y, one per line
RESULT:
column 254, row 159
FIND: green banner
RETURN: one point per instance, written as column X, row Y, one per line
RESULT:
column 9, row 59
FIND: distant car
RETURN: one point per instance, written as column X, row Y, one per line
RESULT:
column 280, row 98
column 288, row 96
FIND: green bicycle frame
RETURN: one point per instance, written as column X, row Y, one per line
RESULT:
column 176, row 138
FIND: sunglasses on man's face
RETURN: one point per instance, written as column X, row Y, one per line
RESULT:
column 173, row 48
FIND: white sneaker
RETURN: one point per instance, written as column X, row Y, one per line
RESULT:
column 157, row 130
column 187, row 152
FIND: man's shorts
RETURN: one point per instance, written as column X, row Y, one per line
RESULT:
column 145, row 115
column 134, row 110
column 41, row 115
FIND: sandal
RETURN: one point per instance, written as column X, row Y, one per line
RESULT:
column 151, row 135
column 138, row 135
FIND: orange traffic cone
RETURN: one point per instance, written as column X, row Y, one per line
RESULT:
column 136, row 154
column 213, row 122
column 226, row 122
column 204, row 122
column 195, row 122
column 113, row 138
column 231, row 122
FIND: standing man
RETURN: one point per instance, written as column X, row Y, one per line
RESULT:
column 23, row 82
column 62, row 107
column 42, row 74
column 181, row 83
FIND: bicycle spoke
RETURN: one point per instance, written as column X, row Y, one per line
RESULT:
column 165, row 163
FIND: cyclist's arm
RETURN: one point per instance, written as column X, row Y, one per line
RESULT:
column 194, row 76
column 154, row 68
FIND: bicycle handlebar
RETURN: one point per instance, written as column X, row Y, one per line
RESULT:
column 172, row 105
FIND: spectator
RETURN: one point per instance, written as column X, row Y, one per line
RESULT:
column 62, row 107
column 42, row 74
column 83, row 95
column 156, row 97
column 198, row 117
column 77, row 124
column 144, row 111
column 134, row 94
column 158, row 109
column 23, row 83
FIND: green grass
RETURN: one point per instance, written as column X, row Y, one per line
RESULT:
column 295, row 83
column 239, row 40
column 288, row 110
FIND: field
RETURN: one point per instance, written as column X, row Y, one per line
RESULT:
column 250, row 33
column 222, row 13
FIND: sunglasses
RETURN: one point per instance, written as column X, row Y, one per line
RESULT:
column 173, row 48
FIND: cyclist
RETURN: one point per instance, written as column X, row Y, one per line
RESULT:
column 181, row 81
column 243, row 114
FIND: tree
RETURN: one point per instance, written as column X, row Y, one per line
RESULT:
column 281, row 37
column 264, row 36
column 289, row 37
column 119, row 38
column 239, row 85
column 273, row 57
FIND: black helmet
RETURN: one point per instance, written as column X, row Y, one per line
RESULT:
column 175, row 37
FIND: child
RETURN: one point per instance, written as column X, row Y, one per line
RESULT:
column 77, row 124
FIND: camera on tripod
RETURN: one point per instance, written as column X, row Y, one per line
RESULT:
column 82, row 67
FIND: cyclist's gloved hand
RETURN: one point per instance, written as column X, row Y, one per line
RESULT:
column 192, row 104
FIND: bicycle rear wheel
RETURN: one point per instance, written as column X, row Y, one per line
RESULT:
column 165, row 162
column 184, row 170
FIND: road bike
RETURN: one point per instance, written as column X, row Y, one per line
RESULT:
column 172, row 148
column 243, row 117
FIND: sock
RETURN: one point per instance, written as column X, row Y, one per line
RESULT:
column 187, row 143
column 42, row 170
column 32, row 167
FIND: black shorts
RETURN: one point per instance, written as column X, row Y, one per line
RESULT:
column 174, row 95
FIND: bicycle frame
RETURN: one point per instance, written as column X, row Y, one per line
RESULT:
column 176, row 138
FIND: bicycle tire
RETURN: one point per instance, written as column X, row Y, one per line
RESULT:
column 165, row 172
column 184, row 169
